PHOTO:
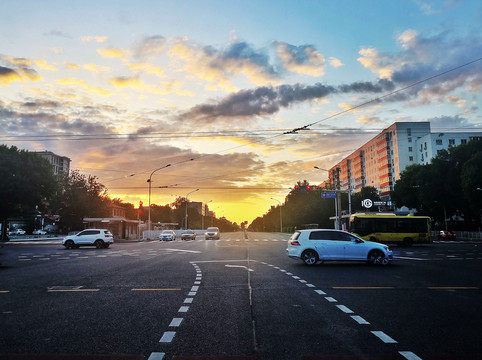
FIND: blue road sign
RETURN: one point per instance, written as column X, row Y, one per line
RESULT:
column 328, row 195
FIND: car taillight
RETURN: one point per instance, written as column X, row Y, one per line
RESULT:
column 106, row 235
column 295, row 243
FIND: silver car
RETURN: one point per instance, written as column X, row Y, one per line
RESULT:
column 167, row 235
column 318, row 245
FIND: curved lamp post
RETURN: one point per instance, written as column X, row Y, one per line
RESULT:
column 187, row 202
column 280, row 216
column 150, row 182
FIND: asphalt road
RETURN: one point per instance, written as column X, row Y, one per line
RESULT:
column 235, row 299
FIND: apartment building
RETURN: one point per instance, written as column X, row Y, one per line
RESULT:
column 59, row 163
column 379, row 162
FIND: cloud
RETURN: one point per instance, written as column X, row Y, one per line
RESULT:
column 305, row 59
column 8, row 75
column 217, row 67
column 150, row 46
column 260, row 101
column 90, row 38
column 111, row 53
column 80, row 83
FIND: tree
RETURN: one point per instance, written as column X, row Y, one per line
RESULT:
column 28, row 182
column 80, row 196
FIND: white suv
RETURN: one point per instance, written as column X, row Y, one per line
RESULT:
column 212, row 233
column 101, row 238
column 316, row 245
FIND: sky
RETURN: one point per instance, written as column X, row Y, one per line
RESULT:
column 217, row 89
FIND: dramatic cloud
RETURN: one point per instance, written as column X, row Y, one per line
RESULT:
column 305, row 60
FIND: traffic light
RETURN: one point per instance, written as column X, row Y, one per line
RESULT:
column 141, row 207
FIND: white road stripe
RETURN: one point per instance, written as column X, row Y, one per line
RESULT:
column 176, row 322
column 409, row 355
column 330, row 299
column 384, row 337
column 167, row 337
column 188, row 300
column 320, row 292
column 156, row 356
column 360, row 320
column 344, row 309
column 183, row 309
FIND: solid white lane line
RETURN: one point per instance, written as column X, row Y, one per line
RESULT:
column 360, row 320
column 167, row 337
column 176, row 322
column 344, row 309
column 409, row 355
column 384, row 337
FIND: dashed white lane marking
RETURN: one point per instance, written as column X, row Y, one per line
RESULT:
column 344, row 309
column 409, row 355
column 167, row 337
column 195, row 288
column 176, row 322
column 384, row 337
column 183, row 309
column 188, row 300
column 156, row 356
column 360, row 320
column 330, row 299
column 320, row 292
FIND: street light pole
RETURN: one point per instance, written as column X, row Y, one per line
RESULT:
column 280, row 216
column 186, row 204
column 150, row 182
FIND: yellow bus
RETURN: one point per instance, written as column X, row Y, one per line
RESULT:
column 391, row 228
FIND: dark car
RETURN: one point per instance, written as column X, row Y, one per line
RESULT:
column 447, row 235
column 188, row 235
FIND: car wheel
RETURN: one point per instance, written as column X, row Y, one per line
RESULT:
column 69, row 244
column 99, row 244
column 309, row 257
column 376, row 257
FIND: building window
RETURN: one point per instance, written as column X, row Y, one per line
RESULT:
column 410, row 149
column 463, row 141
column 409, row 132
column 410, row 158
column 438, row 141
column 409, row 139
column 451, row 141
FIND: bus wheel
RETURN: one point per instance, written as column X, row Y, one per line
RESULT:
column 407, row 241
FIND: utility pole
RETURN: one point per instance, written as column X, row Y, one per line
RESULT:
column 338, row 198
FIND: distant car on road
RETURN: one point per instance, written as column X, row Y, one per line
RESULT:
column 17, row 232
column 212, row 233
column 188, row 235
column 315, row 245
column 39, row 232
column 100, row 238
column 447, row 235
column 167, row 235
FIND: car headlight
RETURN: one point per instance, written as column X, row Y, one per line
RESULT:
column 386, row 248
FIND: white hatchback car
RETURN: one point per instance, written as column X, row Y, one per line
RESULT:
column 100, row 238
column 167, row 235
column 317, row 245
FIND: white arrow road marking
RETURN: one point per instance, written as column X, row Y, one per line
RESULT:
column 239, row 266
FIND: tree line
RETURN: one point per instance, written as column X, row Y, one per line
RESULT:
column 30, row 190
column 449, row 190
